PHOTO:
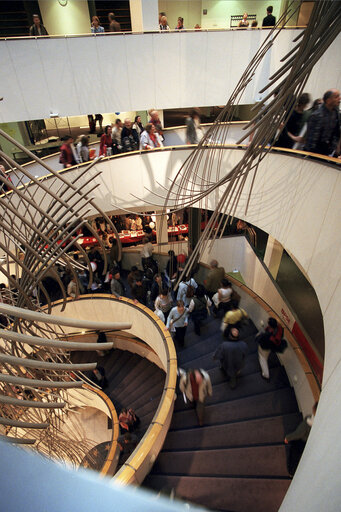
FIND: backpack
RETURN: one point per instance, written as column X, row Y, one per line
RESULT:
column 200, row 305
column 190, row 291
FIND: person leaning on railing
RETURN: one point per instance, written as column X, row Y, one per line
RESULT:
column 150, row 139
column 163, row 24
column 37, row 29
column 269, row 20
column 95, row 26
column 244, row 22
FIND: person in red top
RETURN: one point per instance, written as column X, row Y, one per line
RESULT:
column 196, row 386
column 128, row 420
column 270, row 340
column 106, row 140
column 68, row 154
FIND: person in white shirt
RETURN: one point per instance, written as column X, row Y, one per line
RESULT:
column 186, row 290
column 177, row 322
column 163, row 23
column 116, row 136
column 222, row 298
column 164, row 303
column 146, row 252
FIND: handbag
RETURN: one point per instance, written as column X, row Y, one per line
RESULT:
column 281, row 347
column 190, row 291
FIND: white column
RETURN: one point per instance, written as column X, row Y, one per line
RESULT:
column 144, row 15
column 161, row 229
column 273, row 256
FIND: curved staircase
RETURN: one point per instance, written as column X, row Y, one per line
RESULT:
column 133, row 381
column 236, row 461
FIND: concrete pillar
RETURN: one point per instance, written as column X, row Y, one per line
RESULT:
column 144, row 15
column 273, row 256
column 71, row 17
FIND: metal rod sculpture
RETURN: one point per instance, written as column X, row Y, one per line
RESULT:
column 202, row 173
column 38, row 226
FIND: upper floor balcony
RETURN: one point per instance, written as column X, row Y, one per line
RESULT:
column 73, row 75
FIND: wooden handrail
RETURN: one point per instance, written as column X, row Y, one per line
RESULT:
column 293, row 152
column 127, row 33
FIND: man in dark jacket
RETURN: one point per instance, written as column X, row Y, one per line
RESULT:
column 213, row 280
column 231, row 355
column 323, row 131
column 129, row 137
column 269, row 20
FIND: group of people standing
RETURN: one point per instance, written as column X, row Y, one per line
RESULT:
column 268, row 21
column 122, row 138
column 116, row 138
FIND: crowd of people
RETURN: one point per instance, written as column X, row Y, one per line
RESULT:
column 315, row 129
column 193, row 302
column 116, row 138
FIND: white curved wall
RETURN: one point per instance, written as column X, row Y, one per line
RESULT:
column 73, row 76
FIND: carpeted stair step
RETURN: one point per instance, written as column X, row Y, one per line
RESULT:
column 122, row 369
column 242, row 433
column 248, row 385
column 268, row 461
column 142, row 380
column 115, row 372
column 142, row 371
column 207, row 347
column 228, row 494
column 150, row 389
column 207, row 362
column 149, row 407
column 137, row 369
column 133, row 381
column 272, row 403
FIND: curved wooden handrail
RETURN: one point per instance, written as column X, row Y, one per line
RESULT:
column 130, row 470
column 127, row 33
column 296, row 153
